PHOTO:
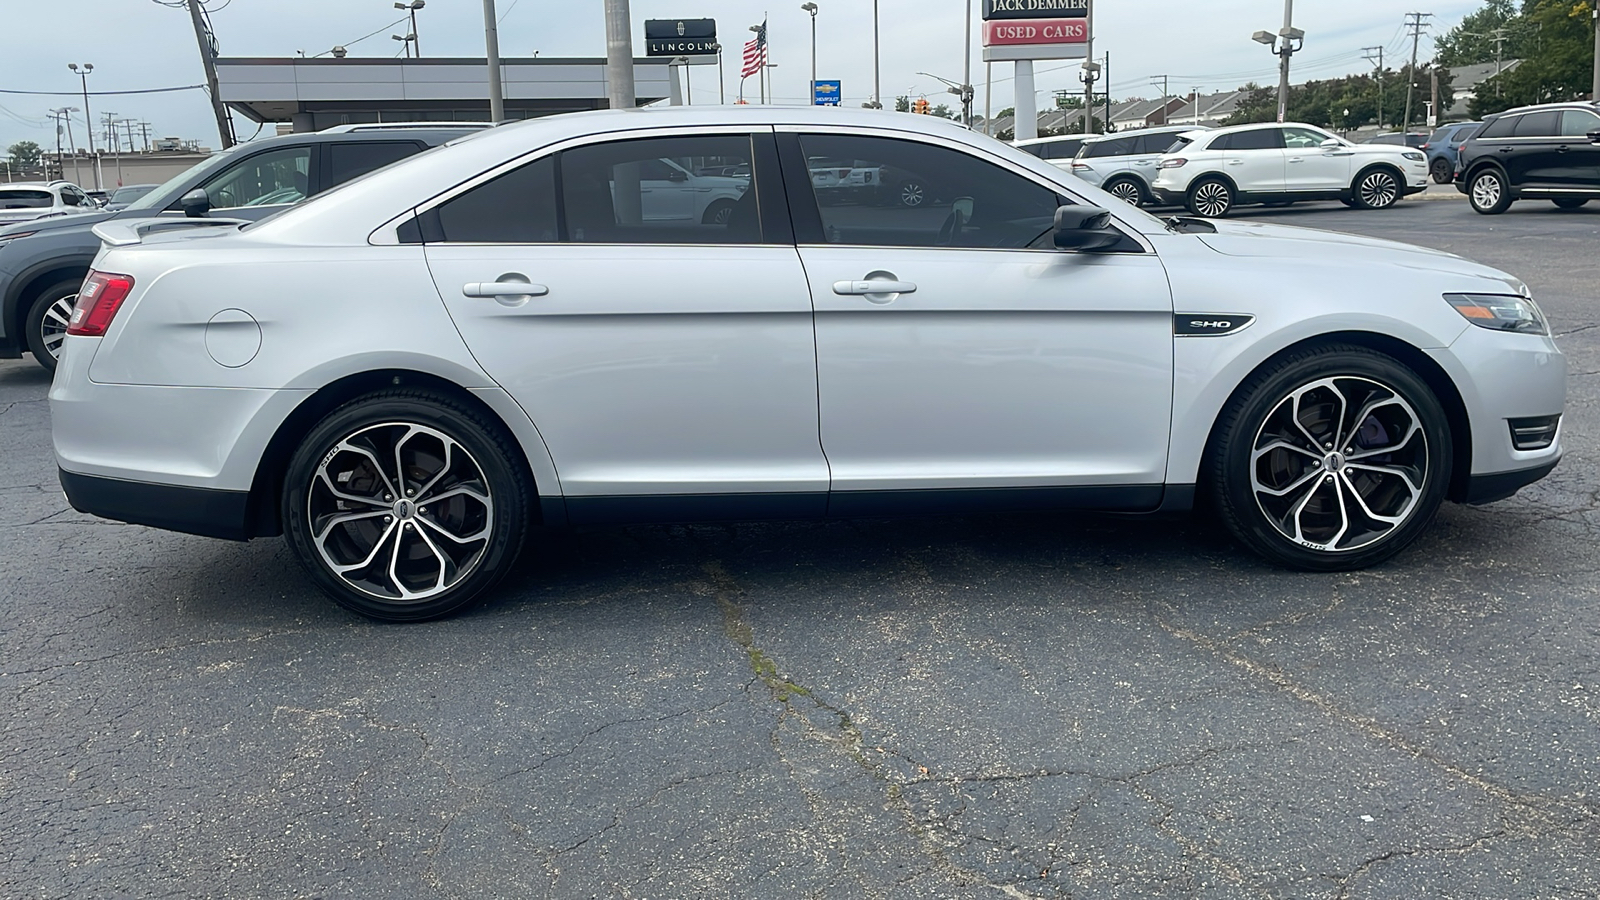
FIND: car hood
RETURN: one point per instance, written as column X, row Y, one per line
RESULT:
column 1253, row 239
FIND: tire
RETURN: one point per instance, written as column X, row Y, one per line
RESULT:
column 717, row 213
column 1570, row 202
column 1278, row 204
column 1376, row 188
column 1488, row 192
column 441, row 561
column 1350, row 203
column 46, row 324
column 1441, row 170
column 1330, row 510
column 911, row 193
column 1209, row 198
column 1127, row 190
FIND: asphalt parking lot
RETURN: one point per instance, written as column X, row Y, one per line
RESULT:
column 1040, row 706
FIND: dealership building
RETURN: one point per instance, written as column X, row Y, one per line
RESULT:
column 313, row 94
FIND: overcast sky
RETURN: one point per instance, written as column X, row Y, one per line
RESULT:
column 137, row 44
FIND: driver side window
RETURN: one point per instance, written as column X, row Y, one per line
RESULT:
column 901, row 193
column 1302, row 138
column 274, row 177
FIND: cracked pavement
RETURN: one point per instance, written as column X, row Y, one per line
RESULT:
column 1013, row 707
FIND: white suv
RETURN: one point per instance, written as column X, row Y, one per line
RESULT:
column 1211, row 172
column 24, row 202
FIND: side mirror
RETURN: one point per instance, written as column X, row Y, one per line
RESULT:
column 1084, row 228
column 1331, row 144
column 195, row 204
column 676, row 176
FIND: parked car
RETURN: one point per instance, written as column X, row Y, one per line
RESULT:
column 1547, row 152
column 100, row 198
column 1059, row 150
column 405, row 375
column 862, row 181
column 1211, row 172
column 26, row 201
column 1124, row 164
column 1414, row 139
column 123, row 196
column 43, row 262
column 1443, row 147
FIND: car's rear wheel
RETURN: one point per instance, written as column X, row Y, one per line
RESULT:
column 1332, row 458
column 46, row 327
column 406, row 505
column 1377, row 189
column 1441, row 170
column 1488, row 192
column 1211, row 198
column 1570, row 202
column 912, row 193
column 718, row 213
column 1127, row 190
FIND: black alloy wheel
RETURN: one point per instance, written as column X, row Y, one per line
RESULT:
column 1441, row 170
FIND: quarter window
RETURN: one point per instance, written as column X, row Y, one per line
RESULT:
column 1577, row 122
column 910, row 194
column 518, row 207
column 669, row 190
column 265, row 179
column 1499, row 128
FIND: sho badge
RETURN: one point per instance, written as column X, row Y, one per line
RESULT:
column 1204, row 324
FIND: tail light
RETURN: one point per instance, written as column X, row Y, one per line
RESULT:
column 98, row 301
column 1173, row 162
column 1424, row 146
column 1078, row 165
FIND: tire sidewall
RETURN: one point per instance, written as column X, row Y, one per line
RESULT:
column 507, row 485
column 1230, row 463
column 35, row 320
column 1191, row 201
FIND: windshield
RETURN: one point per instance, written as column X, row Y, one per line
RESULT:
column 130, row 194
column 167, row 194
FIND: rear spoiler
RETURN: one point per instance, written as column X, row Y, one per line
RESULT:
column 121, row 233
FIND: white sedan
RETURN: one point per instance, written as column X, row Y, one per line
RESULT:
column 407, row 373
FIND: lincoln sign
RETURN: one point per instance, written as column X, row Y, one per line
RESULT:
column 680, row 37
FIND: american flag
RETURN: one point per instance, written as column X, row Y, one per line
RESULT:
column 755, row 53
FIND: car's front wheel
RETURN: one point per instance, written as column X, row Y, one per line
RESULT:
column 46, row 327
column 912, row 193
column 1333, row 458
column 1488, row 192
column 1211, row 198
column 406, row 505
column 1377, row 189
column 718, row 213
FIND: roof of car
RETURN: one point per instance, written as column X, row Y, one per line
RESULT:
column 1135, row 132
column 1029, row 142
column 1591, row 105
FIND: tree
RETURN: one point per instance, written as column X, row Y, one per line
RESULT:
column 943, row 111
column 902, row 103
column 1473, row 41
column 1561, row 67
column 1260, row 104
column 24, row 154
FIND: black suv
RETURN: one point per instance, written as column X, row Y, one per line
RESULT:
column 1550, row 152
column 42, row 262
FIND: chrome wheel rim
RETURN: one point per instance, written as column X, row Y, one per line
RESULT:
column 53, row 326
column 911, row 194
column 1127, row 192
column 1485, row 191
column 722, row 215
column 400, row 511
column 1212, row 199
column 1339, row 464
column 1379, row 190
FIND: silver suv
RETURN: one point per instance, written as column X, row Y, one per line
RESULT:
column 1124, row 164
column 24, row 202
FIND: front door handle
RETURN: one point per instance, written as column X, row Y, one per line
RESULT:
column 503, row 289
column 862, row 288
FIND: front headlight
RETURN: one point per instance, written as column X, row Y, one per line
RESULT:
column 1414, row 156
column 1500, row 312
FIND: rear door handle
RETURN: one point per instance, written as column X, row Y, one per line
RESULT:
column 1235, row 162
column 503, row 289
column 860, row 288
column 1297, row 159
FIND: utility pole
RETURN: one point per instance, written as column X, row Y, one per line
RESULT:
column 88, row 117
column 966, row 73
column 1416, row 21
column 144, row 132
column 1377, row 76
column 491, row 43
column 1594, row 90
column 116, row 145
column 56, row 114
column 1163, row 80
column 1433, row 108
column 208, row 57
column 877, row 82
column 1090, row 70
column 619, row 55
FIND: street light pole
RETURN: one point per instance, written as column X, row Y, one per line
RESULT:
column 966, row 74
column 491, row 42
column 88, row 118
column 877, row 84
column 411, row 9
column 812, row 9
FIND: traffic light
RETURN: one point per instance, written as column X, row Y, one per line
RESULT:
column 920, row 107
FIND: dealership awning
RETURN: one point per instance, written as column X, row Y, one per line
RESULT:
column 319, row 93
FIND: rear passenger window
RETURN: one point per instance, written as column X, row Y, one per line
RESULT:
column 349, row 159
column 1259, row 139
column 1153, row 143
column 1539, row 124
column 1113, row 147
column 668, row 190
column 518, row 207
